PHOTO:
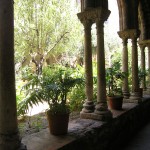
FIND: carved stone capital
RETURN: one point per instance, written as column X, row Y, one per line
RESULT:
column 142, row 46
column 93, row 14
column 87, row 24
column 145, row 43
column 129, row 34
column 123, row 35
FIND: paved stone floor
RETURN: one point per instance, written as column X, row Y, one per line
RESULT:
column 141, row 141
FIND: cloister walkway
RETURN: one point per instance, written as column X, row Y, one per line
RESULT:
column 141, row 141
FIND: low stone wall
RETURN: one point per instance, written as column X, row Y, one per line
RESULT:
column 97, row 135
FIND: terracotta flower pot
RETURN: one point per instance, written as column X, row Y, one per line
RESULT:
column 58, row 124
column 115, row 102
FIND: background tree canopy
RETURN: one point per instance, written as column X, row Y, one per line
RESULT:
column 46, row 31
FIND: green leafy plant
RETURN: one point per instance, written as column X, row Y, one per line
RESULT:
column 52, row 86
column 114, row 78
column 141, row 75
column 77, row 95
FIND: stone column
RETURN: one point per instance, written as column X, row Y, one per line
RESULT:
column 88, row 106
column 9, row 137
column 135, row 95
column 101, row 108
column 149, row 66
column 125, row 86
column 143, row 83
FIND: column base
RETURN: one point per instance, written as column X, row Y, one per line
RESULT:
column 101, row 110
column 126, row 95
column 101, row 116
column 88, row 107
column 135, row 97
column 130, row 101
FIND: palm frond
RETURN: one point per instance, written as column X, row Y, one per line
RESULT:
column 32, row 99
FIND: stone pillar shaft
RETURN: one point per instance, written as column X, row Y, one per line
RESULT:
column 149, row 66
column 101, row 81
column 88, row 105
column 88, row 60
column 125, row 87
column 135, row 95
column 9, row 137
column 135, row 83
column 125, row 35
column 149, row 57
column 8, row 115
column 143, row 83
column 101, row 107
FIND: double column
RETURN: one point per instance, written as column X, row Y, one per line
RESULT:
column 99, row 111
column 132, row 34
column 9, row 137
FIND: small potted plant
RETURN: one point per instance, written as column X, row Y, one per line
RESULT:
column 114, row 78
column 52, row 87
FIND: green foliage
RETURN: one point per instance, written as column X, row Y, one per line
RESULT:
column 59, row 108
column 48, row 28
column 19, row 84
column 113, row 46
column 114, row 77
column 77, row 95
column 141, row 75
column 52, row 87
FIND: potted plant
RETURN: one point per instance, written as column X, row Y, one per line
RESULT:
column 52, row 86
column 114, row 78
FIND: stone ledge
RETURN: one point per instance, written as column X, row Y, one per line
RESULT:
column 86, row 134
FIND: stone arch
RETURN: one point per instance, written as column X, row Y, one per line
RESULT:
column 128, row 14
column 88, row 4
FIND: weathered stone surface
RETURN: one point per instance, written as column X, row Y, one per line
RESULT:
column 95, row 135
